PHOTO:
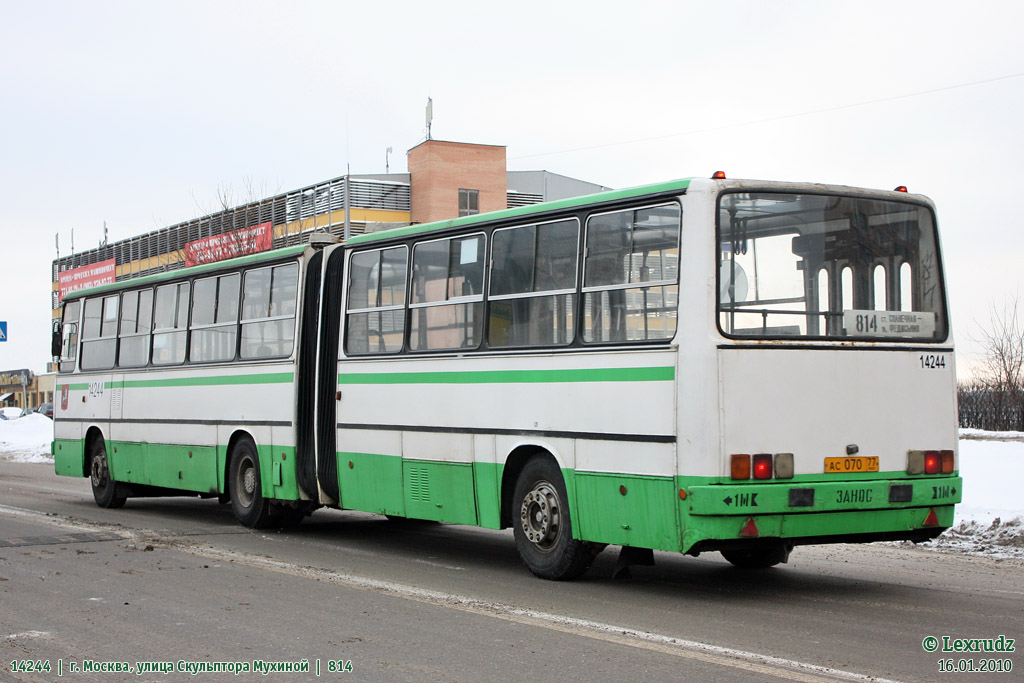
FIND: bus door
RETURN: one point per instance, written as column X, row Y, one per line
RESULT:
column 327, row 375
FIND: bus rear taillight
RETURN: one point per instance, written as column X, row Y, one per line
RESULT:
column 947, row 461
column 930, row 462
column 784, row 466
column 739, row 467
column 763, row 466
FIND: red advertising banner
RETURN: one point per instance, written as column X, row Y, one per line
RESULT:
column 251, row 240
column 83, row 277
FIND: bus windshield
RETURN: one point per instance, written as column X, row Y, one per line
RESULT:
column 828, row 267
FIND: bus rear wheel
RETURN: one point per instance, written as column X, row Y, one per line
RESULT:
column 542, row 526
column 104, row 488
column 247, row 501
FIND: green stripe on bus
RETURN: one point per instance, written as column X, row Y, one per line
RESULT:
column 222, row 380
column 650, row 374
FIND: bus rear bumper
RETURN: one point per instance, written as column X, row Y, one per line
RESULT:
column 911, row 524
column 726, row 516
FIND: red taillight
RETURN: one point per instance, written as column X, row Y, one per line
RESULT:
column 740, row 466
column 763, row 466
column 947, row 461
column 932, row 462
column 900, row 188
column 718, row 175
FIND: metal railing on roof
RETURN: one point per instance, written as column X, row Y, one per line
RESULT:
column 155, row 251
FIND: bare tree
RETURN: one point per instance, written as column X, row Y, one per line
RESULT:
column 1003, row 344
column 252, row 191
column 995, row 399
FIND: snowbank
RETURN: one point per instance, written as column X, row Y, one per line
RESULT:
column 26, row 439
column 990, row 519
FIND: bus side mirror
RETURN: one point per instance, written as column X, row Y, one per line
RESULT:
column 55, row 340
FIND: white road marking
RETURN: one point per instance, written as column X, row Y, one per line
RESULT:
column 29, row 634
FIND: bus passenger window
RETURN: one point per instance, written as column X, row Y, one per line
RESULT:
column 69, row 336
column 170, row 320
column 447, row 294
column 631, row 275
column 533, row 283
column 214, row 318
column 375, row 308
column 99, row 333
column 136, row 325
column 268, row 311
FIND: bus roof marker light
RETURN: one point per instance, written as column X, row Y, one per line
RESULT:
column 901, row 188
column 718, row 175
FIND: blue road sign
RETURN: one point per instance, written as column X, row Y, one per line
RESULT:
column 3, row 330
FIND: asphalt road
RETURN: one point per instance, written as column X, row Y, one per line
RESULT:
column 178, row 584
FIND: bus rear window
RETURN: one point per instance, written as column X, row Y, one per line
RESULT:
column 828, row 267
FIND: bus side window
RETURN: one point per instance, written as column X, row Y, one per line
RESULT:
column 447, row 294
column 135, row 328
column 170, row 321
column 631, row 275
column 214, row 318
column 533, row 283
column 375, row 305
column 69, row 336
column 268, row 311
column 99, row 335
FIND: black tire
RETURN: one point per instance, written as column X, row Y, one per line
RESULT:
column 542, row 525
column 759, row 556
column 245, row 487
column 104, row 488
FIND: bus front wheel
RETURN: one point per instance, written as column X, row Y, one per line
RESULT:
column 104, row 488
column 542, row 526
column 247, row 501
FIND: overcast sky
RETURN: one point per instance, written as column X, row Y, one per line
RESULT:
column 136, row 113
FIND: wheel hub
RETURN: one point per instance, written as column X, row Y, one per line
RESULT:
column 98, row 472
column 540, row 515
column 245, row 482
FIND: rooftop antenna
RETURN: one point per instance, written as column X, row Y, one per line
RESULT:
column 387, row 159
column 430, row 114
column 104, row 242
column 56, row 242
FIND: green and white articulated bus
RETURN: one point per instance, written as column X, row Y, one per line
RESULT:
column 697, row 365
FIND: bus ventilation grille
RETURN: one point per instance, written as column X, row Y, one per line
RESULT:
column 419, row 484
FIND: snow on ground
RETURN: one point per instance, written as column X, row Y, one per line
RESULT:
column 989, row 521
column 26, row 439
